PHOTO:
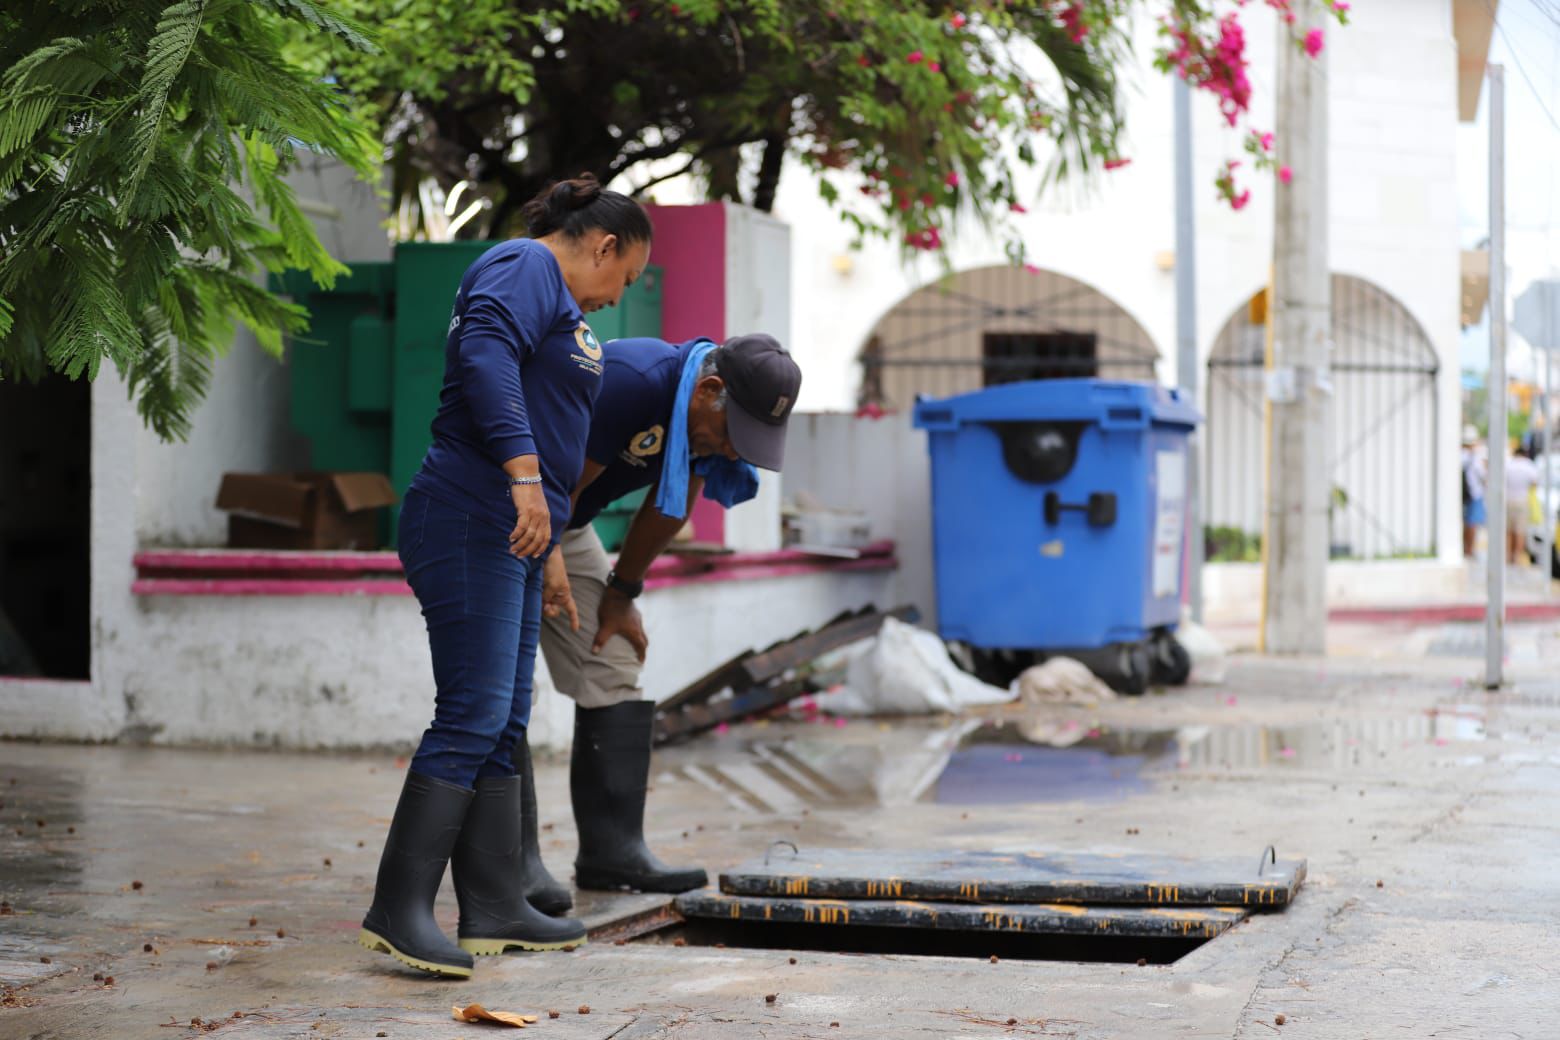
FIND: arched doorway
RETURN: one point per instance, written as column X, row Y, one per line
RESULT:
column 999, row 325
column 1383, row 439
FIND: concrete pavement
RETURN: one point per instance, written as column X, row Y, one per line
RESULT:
column 1426, row 807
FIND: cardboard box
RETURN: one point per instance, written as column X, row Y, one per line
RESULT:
column 304, row 510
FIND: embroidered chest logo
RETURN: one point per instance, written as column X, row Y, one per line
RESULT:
column 643, row 445
column 588, row 348
column 589, row 345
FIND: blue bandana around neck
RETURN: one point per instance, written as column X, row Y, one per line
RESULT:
column 726, row 481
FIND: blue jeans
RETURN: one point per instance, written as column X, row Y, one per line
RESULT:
column 484, row 613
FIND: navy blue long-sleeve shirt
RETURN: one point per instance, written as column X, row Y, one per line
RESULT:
column 521, row 373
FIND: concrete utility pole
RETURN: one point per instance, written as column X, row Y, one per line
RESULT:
column 1495, row 484
column 1186, row 335
column 1299, row 390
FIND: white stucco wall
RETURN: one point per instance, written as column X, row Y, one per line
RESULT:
column 335, row 672
column 1392, row 77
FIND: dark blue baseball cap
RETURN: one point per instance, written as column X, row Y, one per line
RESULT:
column 762, row 381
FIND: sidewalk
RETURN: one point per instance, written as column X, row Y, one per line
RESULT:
column 1426, row 809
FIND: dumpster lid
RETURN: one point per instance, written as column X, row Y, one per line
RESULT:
column 1110, row 403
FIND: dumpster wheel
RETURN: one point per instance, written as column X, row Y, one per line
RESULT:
column 1172, row 665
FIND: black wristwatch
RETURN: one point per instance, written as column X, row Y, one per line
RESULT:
column 630, row 589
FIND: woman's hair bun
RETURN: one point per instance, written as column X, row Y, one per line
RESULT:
column 576, row 193
column 580, row 204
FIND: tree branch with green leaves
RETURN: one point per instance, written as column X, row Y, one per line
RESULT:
column 143, row 149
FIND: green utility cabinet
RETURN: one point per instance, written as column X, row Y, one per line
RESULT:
column 366, row 376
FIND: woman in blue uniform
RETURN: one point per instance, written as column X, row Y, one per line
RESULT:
column 521, row 373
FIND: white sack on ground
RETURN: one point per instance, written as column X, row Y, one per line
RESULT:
column 1061, row 680
column 907, row 671
column 1209, row 662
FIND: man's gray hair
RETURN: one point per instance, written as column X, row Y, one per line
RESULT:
column 707, row 369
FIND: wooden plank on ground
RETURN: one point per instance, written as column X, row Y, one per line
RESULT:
column 793, row 653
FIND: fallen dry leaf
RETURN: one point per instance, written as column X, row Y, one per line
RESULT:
column 478, row 1013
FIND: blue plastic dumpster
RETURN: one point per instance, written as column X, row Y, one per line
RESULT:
column 1058, row 516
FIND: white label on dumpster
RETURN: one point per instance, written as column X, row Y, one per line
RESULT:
column 1169, row 522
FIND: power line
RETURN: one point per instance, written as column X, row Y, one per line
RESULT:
column 1517, row 60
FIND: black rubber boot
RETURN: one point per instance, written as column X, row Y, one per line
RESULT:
column 494, row 914
column 400, row 922
column 608, row 776
column 542, row 889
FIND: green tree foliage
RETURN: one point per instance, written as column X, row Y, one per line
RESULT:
column 143, row 146
column 934, row 106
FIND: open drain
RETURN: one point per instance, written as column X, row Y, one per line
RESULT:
column 1027, row 906
column 1004, row 946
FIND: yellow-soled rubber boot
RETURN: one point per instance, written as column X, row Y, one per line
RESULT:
column 400, row 922
column 489, row 871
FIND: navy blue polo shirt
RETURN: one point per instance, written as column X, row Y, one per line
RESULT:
column 521, row 373
column 633, row 417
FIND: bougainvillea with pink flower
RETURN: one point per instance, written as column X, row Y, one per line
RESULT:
column 933, row 108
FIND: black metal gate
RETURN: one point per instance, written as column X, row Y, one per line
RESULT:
column 1386, row 415
column 996, row 325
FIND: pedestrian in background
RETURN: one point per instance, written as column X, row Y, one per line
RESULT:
column 1521, row 476
column 522, row 370
column 1474, row 477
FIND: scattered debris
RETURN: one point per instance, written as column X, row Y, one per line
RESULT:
column 834, row 1025
column 478, row 1013
column 584, row 1009
column 1380, row 883
column 281, row 933
column 360, row 844
column 97, row 976
column 212, row 965
column 253, row 921
column 554, row 1014
column 769, row 998
column 766, row 679
column 327, row 861
column 993, row 958
column 679, row 941
column 137, row 886
column 1012, row 1021
column 5, row 909
column 1279, row 1020
column 1142, row 962
column 146, row 947
column 381, row 1032
column 45, row 960
column 70, row 830
column 108, row 980
column 43, row 823
column 793, row 960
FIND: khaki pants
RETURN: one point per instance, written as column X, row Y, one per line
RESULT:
column 592, row 680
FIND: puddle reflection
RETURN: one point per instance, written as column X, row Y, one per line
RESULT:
column 971, row 762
